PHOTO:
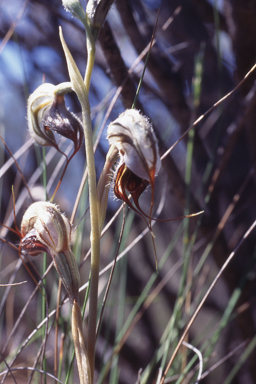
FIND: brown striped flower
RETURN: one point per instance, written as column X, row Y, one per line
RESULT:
column 47, row 113
column 45, row 229
column 133, row 136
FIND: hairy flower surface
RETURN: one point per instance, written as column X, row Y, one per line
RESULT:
column 45, row 229
column 133, row 136
column 49, row 226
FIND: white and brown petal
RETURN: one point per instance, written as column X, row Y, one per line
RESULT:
column 133, row 135
column 45, row 229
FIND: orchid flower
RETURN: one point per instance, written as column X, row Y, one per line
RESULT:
column 132, row 134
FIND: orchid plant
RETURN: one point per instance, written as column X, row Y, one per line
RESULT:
column 133, row 154
column 131, row 166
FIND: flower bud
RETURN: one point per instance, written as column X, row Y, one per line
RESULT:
column 74, row 7
column 97, row 10
column 45, row 229
column 140, row 162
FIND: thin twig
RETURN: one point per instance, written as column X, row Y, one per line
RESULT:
column 25, row 308
column 41, row 350
column 23, row 149
column 13, row 284
column 13, row 26
column 205, row 297
column 225, row 358
column 57, row 329
column 208, row 111
column 200, row 357
column 111, row 275
column 20, row 171
column 31, row 369
column 150, row 299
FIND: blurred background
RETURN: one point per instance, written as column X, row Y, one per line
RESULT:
column 202, row 50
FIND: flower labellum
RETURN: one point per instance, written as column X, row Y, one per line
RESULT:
column 60, row 120
column 133, row 135
column 47, row 113
column 45, row 229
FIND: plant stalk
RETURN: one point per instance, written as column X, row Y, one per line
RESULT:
column 80, row 350
column 82, row 94
column 93, row 200
column 95, row 243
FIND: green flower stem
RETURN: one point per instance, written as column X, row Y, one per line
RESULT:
column 95, row 240
column 44, row 260
column 95, row 244
column 90, row 45
column 90, row 59
column 95, row 231
column 80, row 89
column 80, row 351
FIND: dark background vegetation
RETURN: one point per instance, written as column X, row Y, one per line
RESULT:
column 221, row 36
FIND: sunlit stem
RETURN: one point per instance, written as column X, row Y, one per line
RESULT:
column 60, row 180
column 90, row 44
column 95, row 230
column 95, row 233
column 95, row 240
column 80, row 350
column 80, row 89
column 44, row 260
column 90, row 59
